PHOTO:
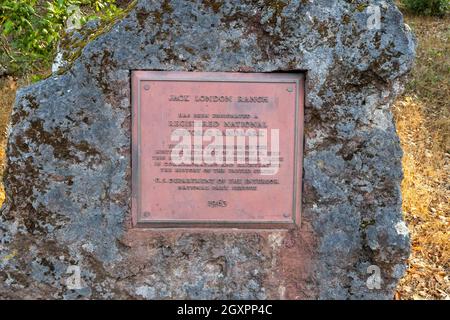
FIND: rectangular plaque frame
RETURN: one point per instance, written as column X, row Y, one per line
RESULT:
column 138, row 76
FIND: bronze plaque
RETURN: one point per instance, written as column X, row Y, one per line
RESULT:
column 216, row 149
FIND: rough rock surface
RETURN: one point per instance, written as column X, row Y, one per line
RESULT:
column 68, row 174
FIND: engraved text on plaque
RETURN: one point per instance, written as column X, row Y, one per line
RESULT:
column 216, row 149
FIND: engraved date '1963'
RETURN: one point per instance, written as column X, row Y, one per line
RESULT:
column 217, row 203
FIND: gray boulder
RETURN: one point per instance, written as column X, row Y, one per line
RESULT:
column 68, row 178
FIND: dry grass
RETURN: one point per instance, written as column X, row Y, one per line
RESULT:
column 423, row 124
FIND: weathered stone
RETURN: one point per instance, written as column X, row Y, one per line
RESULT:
column 68, row 175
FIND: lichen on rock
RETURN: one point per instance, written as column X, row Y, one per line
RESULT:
column 68, row 174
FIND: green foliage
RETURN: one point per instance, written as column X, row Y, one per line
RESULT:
column 30, row 29
column 428, row 7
